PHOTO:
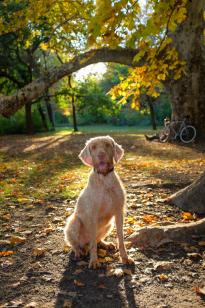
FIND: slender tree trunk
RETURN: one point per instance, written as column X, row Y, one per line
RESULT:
column 43, row 117
column 50, row 111
column 75, row 127
column 152, row 113
column 188, row 93
column 28, row 118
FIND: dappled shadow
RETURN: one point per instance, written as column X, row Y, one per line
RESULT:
column 97, row 289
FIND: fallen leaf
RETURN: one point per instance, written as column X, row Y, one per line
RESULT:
column 127, row 271
column 67, row 303
column 163, row 277
column 108, row 259
column 149, row 218
column 201, row 243
column 194, row 255
column 118, row 272
column 14, row 239
column 130, row 220
column 188, row 248
column 4, row 242
column 15, row 285
column 32, row 305
column 17, row 303
column 49, row 229
column 163, row 265
column 6, row 217
column 102, row 286
column 6, row 253
column 187, row 216
column 23, row 200
column 39, row 252
column 79, row 283
column 66, row 249
column 129, row 231
column 200, row 290
column 78, row 271
column 102, row 252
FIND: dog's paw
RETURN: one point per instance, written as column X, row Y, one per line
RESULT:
column 107, row 245
column 78, row 253
column 94, row 263
column 128, row 260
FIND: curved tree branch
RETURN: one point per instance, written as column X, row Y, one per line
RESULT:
column 10, row 104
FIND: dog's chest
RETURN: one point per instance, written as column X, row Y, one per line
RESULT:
column 107, row 200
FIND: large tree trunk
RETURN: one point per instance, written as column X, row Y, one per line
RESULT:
column 10, row 104
column 192, row 197
column 188, row 93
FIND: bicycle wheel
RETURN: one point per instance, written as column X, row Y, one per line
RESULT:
column 165, row 134
column 188, row 134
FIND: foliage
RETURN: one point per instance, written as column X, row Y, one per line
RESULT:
column 32, row 43
column 122, row 23
column 93, row 105
column 57, row 25
column 17, row 124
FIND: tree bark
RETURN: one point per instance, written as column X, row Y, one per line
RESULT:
column 188, row 93
column 152, row 113
column 50, row 110
column 155, row 236
column 10, row 104
column 29, row 120
column 43, row 117
column 191, row 198
column 75, row 126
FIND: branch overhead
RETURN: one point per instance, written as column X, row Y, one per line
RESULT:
column 10, row 104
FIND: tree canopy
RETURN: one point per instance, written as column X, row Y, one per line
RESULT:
column 85, row 31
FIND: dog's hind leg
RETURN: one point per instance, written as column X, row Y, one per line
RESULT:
column 72, row 233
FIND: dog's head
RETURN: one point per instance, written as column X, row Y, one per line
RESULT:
column 101, row 153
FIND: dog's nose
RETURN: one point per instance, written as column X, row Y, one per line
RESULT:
column 101, row 155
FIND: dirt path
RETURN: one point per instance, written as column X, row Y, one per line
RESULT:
column 41, row 272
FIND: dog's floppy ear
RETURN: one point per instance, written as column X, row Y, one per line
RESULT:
column 85, row 156
column 118, row 152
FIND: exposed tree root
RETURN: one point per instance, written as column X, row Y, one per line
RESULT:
column 154, row 236
column 191, row 198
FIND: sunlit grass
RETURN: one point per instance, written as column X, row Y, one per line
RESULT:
column 46, row 166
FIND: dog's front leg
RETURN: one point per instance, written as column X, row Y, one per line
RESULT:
column 119, row 227
column 93, row 243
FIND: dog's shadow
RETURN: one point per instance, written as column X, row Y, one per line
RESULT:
column 81, row 287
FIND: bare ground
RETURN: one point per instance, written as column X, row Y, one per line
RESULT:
column 40, row 272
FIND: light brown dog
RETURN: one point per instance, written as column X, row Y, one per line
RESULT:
column 100, row 203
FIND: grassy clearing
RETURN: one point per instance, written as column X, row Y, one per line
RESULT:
column 46, row 166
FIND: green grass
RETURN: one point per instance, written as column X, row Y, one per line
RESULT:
column 102, row 129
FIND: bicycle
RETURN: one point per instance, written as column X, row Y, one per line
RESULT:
column 186, row 133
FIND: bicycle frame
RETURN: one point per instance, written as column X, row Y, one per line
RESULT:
column 176, row 132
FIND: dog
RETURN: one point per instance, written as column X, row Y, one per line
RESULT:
column 100, row 203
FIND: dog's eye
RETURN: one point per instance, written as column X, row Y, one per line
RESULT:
column 107, row 145
column 93, row 147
